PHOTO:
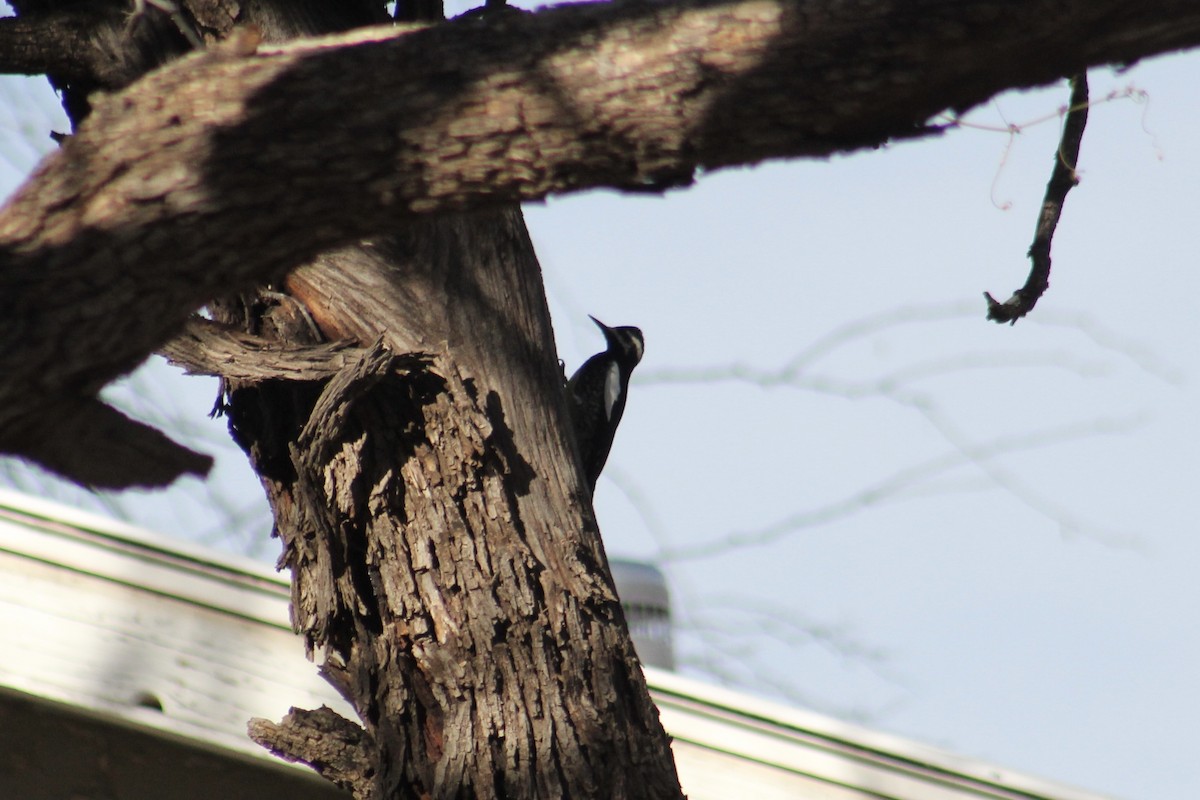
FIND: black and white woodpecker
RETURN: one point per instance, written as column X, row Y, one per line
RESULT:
column 596, row 395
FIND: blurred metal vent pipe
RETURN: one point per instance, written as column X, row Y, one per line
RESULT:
column 643, row 591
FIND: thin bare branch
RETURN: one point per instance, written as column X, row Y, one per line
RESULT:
column 894, row 386
column 793, row 372
column 1102, row 336
column 891, row 487
column 858, row 329
column 900, row 378
column 1063, row 178
column 757, row 619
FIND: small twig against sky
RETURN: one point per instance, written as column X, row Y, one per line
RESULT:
column 794, row 372
column 896, row 380
column 897, row 386
column 898, row 484
column 1069, row 524
column 1012, row 130
column 24, row 477
column 143, row 397
column 1134, row 352
column 782, row 624
column 1062, row 179
column 1132, row 93
column 727, row 643
column 862, row 327
column 736, row 659
column 156, row 393
column 240, row 526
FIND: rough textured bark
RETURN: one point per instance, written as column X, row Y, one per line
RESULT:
column 233, row 167
column 208, row 348
column 447, row 572
column 432, row 514
column 401, row 401
column 329, row 743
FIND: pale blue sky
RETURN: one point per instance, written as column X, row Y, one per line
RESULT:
column 1047, row 626
column 1008, row 635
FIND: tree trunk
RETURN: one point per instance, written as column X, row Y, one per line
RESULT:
column 447, row 571
column 446, row 565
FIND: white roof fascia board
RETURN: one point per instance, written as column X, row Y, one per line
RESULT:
column 92, row 545
column 207, row 636
column 761, row 720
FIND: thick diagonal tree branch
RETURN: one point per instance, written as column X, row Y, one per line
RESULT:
column 227, row 169
column 61, row 42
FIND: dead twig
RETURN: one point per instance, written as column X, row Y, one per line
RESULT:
column 1062, row 179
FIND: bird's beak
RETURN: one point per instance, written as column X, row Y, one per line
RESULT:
column 603, row 327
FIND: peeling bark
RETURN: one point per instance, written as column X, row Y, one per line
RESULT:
column 447, row 572
column 206, row 348
column 334, row 747
column 402, row 403
column 400, row 397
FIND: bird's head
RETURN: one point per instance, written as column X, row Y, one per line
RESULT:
column 625, row 341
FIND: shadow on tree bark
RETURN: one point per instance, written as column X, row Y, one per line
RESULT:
column 447, row 573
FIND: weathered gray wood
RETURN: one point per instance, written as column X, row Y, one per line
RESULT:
column 206, row 348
